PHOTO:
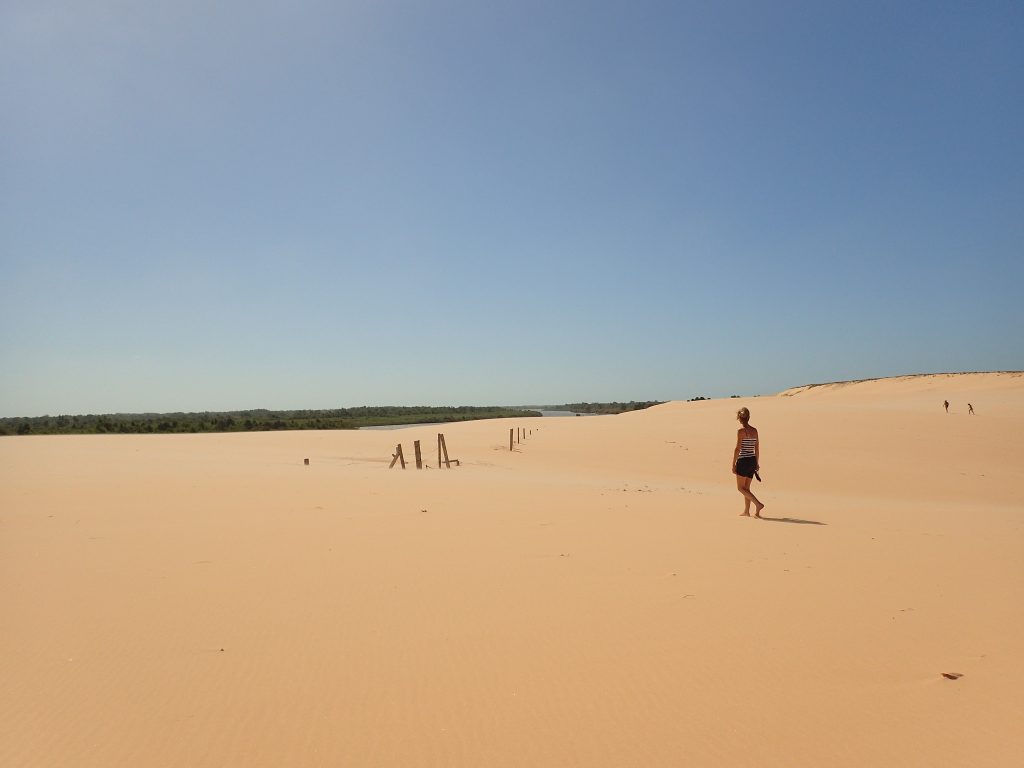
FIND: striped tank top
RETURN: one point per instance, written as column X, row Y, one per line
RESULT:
column 747, row 447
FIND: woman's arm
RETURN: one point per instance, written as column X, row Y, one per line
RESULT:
column 736, row 451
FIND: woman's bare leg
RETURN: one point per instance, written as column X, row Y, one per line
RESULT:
column 743, row 486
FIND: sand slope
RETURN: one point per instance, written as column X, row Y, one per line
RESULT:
column 589, row 599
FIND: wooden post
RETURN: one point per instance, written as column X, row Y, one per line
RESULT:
column 419, row 456
column 442, row 447
column 510, row 439
column 306, row 462
column 397, row 456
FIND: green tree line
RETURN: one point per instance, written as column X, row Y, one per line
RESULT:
column 259, row 420
column 606, row 408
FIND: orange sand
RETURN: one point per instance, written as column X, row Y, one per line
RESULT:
column 589, row 599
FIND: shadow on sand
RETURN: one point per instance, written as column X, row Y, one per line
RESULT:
column 796, row 520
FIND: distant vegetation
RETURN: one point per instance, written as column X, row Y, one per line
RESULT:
column 259, row 420
column 632, row 405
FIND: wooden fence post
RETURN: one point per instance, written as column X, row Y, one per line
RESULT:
column 442, row 447
column 419, row 457
column 397, row 456
column 510, row 439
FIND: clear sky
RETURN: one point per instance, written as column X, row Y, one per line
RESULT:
column 244, row 204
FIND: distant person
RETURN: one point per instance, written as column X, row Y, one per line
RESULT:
column 745, row 461
column 945, row 404
column 970, row 409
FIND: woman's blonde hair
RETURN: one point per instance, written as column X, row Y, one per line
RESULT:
column 743, row 415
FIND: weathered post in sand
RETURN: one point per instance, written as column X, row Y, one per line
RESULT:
column 397, row 456
column 442, row 448
column 510, row 439
column 419, row 456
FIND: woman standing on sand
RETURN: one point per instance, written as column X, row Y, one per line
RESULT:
column 745, row 461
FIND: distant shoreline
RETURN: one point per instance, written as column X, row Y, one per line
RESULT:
column 261, row 420
column 375, row 417
column 258, row 420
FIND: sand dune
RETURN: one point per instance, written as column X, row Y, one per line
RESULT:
column 588, row 599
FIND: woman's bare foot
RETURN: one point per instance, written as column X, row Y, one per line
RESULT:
column 744, row 514
column 757, row 512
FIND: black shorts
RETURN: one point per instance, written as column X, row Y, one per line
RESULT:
column 746, row 466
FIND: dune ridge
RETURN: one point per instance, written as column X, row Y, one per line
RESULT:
column 589, row 598
column 990, row 375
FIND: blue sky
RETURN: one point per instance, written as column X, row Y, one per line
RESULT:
column 218, row 206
